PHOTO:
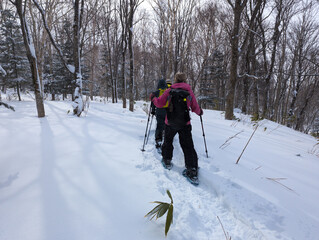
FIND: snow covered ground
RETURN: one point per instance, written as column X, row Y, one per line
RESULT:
column 64, row 177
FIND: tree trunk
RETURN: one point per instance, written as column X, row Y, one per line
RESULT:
column 231, row 84
column 109, row 59
column 32, row 58
column 275, row 39
column 123, row 19
column 18, row 91
column 281, row 83
column 78, row 105
column 130, row 48
column 124, row 46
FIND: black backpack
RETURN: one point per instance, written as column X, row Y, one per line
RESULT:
column 177, row 111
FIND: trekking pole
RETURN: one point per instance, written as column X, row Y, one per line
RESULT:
column 148, row 119
column 149, row 129
column 201, row 120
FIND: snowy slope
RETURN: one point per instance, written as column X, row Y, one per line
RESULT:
column 64, row 177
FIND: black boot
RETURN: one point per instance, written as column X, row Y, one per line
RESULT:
column 192, row 175
column 167, row 163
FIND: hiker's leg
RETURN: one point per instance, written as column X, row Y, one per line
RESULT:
column 167, row 147
column 186, row 141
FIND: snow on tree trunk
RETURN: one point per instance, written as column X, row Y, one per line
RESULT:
column 32, row 58
column 78, row 105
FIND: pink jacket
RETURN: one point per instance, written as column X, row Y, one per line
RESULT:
column 191, row 101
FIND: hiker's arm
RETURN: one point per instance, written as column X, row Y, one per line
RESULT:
column 161, row 101
column 194, row 105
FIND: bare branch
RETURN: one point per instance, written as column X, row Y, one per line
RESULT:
column 231, row 4
column 42, row 12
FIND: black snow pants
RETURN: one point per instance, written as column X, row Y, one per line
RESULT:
column 186, row 142
column 160, row 119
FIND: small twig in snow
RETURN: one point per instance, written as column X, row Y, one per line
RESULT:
column 276, row 180
column 225, row 144
column 226, row 234
column 257, row 168
column 247, row 144
column 275, row 129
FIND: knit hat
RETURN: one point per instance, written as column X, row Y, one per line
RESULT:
column 180, row 77
column 161, row 84
column 168, row 82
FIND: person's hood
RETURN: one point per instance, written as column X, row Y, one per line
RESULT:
column 161, row 84
column 182, row 85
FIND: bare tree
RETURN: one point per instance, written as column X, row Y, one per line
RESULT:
column 237, row 8
column 108, row 27
column 78, row 8
column 123, row 11
column 253, row 13
column 127, row 11
column 305, row 42
column 27, row 38
column 175, row 21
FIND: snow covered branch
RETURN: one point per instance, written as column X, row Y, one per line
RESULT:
column 7, row 106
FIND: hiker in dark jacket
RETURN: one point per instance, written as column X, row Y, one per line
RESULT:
column 183, row 129
column 160, row 114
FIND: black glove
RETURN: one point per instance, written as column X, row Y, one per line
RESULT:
column 152, row 95
column 153, row 108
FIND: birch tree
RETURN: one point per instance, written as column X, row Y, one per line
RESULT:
column 78, row 105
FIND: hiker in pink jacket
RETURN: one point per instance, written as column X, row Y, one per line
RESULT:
column 180, row 98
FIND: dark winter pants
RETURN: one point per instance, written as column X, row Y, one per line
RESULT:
column 160, row 118
column 186, row 142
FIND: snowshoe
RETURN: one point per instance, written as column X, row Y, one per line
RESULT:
column 167, row 164
column 158, row 146
column 191, row 176
column 158, row 143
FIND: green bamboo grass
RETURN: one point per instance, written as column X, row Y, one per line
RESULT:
column 161, row 209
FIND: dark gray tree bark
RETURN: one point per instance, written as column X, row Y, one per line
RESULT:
column 32, row 58
column 234, row 41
